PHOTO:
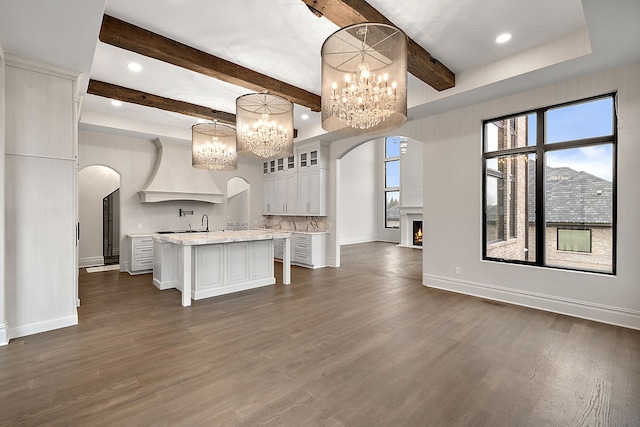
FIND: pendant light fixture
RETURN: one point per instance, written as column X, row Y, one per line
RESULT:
column 213, row 146
column 265, row 125
column 364, row 79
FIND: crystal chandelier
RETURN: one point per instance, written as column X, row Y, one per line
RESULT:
column 364, row 71
column 213, row 146
column 265, row 125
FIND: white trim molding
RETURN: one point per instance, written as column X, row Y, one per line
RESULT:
column 4, row 335
column 581, row 309
column 93, row 261
column 36, row 328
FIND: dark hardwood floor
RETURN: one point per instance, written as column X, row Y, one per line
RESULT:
column 362, row 345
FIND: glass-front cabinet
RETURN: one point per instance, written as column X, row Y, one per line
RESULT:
column 296, row 185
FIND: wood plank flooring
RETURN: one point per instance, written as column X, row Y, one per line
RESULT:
column 362, row 345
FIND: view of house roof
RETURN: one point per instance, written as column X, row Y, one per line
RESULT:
column 575, row 197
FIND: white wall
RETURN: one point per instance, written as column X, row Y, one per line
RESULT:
column 4, row 335
column 411, row 177
column 358, row 195
column 94, row 183
column 134, row 158
column 453, row 195
column 40, row 202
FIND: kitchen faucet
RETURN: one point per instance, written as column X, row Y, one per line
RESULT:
column 202, row 222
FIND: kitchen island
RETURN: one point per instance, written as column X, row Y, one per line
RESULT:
column 208, row 264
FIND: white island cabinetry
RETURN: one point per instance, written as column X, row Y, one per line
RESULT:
column 204, row 265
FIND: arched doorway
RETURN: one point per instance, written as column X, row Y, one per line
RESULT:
column 99, row 216
column 237, row 204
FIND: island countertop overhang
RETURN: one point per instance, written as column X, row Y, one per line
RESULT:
column 217, row 237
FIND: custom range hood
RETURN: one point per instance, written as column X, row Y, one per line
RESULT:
column 175, row 179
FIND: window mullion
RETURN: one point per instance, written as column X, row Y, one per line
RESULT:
column 540, row 189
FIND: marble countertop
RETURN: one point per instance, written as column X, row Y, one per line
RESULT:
column 141, row 235
column 214, row 237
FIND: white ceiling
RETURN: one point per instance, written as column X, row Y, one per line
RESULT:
column 282, row 39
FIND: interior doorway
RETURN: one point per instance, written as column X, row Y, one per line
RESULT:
column 99, row 216
column 111, row 227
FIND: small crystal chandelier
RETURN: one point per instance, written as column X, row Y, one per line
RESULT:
column 265, row 125
column 364, row 79
column 213, row 146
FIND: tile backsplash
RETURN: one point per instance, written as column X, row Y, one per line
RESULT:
column 294, row 223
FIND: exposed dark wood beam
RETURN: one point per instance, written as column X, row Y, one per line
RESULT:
column 124, row 94
column 108, row 90
column 419, row 62
column 130, row 37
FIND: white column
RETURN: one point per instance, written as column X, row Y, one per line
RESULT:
column 186, row 275
column 286, row 262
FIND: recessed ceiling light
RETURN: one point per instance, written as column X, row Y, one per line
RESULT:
column 304, row 117
column 134, row 66
column 116, row 103
column 503, row 38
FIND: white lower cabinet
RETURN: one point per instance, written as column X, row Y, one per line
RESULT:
column 140, row 254
column 307, row 249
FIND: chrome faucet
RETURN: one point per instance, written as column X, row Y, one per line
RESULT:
column 202, row 222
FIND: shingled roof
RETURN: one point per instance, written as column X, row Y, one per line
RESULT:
column 575, row 197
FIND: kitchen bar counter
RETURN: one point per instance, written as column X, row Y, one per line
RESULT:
column 206, row 264
column 215, row 237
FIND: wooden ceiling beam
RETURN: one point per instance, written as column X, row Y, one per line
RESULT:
column 124, row 94
column 111, row 91
column 130, row 37
column 419, row 62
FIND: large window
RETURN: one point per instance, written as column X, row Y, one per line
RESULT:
column 549, row 186
column 392, row 182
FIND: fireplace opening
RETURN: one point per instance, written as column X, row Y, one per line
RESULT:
column 417, row 233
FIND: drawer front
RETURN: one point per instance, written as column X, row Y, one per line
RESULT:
column 302, row 257
column 143, row 264
column 302, row 238
column 142, row 251
column 142, row 241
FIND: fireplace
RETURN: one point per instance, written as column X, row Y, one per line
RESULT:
column 409, row 215
column 417, row 233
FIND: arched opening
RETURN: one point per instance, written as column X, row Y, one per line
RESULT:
column 99, row 217
column 238, row 206
column 363, row 211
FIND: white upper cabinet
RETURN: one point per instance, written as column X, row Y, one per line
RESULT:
column 296, row 185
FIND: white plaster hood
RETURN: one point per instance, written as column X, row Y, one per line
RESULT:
column 175, row 179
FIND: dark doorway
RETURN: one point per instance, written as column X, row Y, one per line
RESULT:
column 110, row 227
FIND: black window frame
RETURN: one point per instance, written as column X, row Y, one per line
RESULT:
column 539, row 149
column 386, row 189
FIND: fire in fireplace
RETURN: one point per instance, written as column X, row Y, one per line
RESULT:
column 417, row 233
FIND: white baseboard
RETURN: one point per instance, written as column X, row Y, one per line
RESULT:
column 4, row 335
column 36, row 328
column 576, row 308
column 90, row 261
column 356, row 240
column 166, row 285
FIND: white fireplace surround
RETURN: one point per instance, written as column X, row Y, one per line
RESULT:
column 408, row 214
